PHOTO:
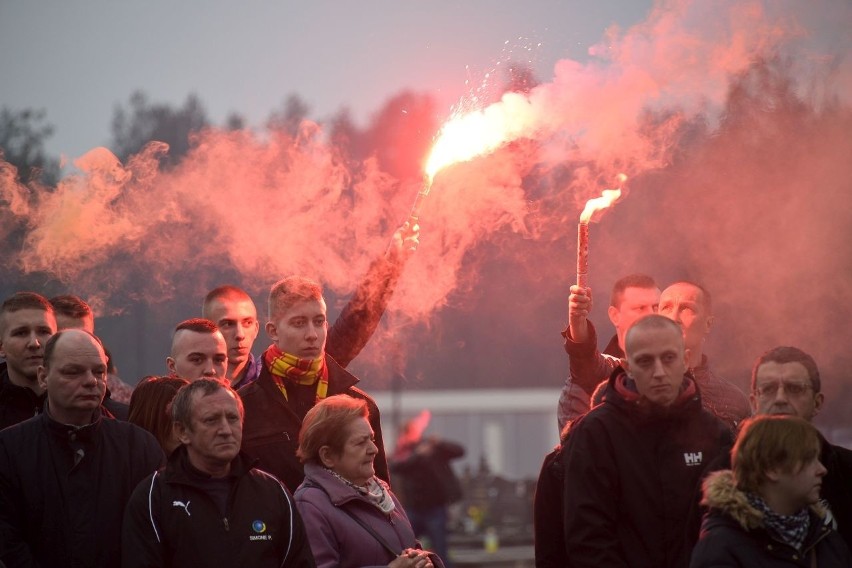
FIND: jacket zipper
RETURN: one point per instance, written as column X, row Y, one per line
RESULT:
column 227, row 527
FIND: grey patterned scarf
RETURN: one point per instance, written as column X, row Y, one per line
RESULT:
column 791, row 529
column 373, row 491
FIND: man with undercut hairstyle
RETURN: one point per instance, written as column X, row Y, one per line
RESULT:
column 296, row 373
column 26, row 323
column 632, row 464
column 633, row 296
column 66, row 475
column 233, row 310
column 198, row 350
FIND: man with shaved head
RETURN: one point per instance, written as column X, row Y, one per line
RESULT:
column 632, row 297
column 198, row 350
column 689, row 305
column 686, row 303
column 66, row 475
column 632, row 464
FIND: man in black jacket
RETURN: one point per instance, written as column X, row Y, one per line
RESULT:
column 209, row 506
column 26, row 323
column 66, row 475
column 632, row 463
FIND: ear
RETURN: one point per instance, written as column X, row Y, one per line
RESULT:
column 41, row 375
column 625, row 365
column 686, row 354
column 170, row 364
column 612, row 312
column 2, row 351
column 772, row 474
column 181, row 433
column 272, row 331
column 708, row 323
column 818, row 400
column 752, row 399
column 327, row 457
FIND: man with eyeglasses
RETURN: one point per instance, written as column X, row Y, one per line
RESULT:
column 785, row 380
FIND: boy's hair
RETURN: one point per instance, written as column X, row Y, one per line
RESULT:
column 770, row 442
column 289, row 291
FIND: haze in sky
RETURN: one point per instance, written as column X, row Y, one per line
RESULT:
column 79, row 59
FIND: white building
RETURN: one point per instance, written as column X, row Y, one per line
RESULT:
column 512, row 428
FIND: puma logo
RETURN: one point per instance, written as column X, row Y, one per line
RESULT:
column 182, row 504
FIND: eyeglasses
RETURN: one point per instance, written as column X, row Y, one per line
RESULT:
column 767, row 390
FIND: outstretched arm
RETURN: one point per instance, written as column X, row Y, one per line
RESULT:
column 360, row 317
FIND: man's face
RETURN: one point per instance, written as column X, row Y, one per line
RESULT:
column 237, row 320
column 22, row 342
column 656, row 360
column 215, row 431
column 301, row 330
column 67, row 322
column 196, row 355
column 784, row 388
column 635, row 304
column 76, row 378
column 684, row 304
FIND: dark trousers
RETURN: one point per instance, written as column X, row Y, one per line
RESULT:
column 431, row 522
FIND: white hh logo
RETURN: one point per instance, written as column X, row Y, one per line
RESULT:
column 181, row 504
column 692, row 458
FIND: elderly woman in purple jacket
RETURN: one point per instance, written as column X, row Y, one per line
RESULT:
column 352, row 517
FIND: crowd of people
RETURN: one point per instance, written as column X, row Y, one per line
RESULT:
column 279, row 460
column 663, row 463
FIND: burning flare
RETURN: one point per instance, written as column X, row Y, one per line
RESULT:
column 468, row 135
column 607, row 198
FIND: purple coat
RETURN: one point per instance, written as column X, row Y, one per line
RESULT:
column 336, row 539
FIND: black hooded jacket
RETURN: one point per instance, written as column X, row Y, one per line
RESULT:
column 631, row 475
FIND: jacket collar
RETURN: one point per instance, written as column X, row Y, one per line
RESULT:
column 10, row 389
column 180, row 470
column 722, row 494
column 337, row 491
column 621, row 391
column 68, row 432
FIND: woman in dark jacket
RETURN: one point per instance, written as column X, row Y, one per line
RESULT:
column 352, row 518
column 766, row 513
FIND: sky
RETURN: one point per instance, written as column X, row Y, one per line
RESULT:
column 77, row 60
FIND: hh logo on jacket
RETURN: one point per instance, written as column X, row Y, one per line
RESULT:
column 692, row 458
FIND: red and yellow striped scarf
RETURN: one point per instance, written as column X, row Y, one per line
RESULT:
column 285, row 367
